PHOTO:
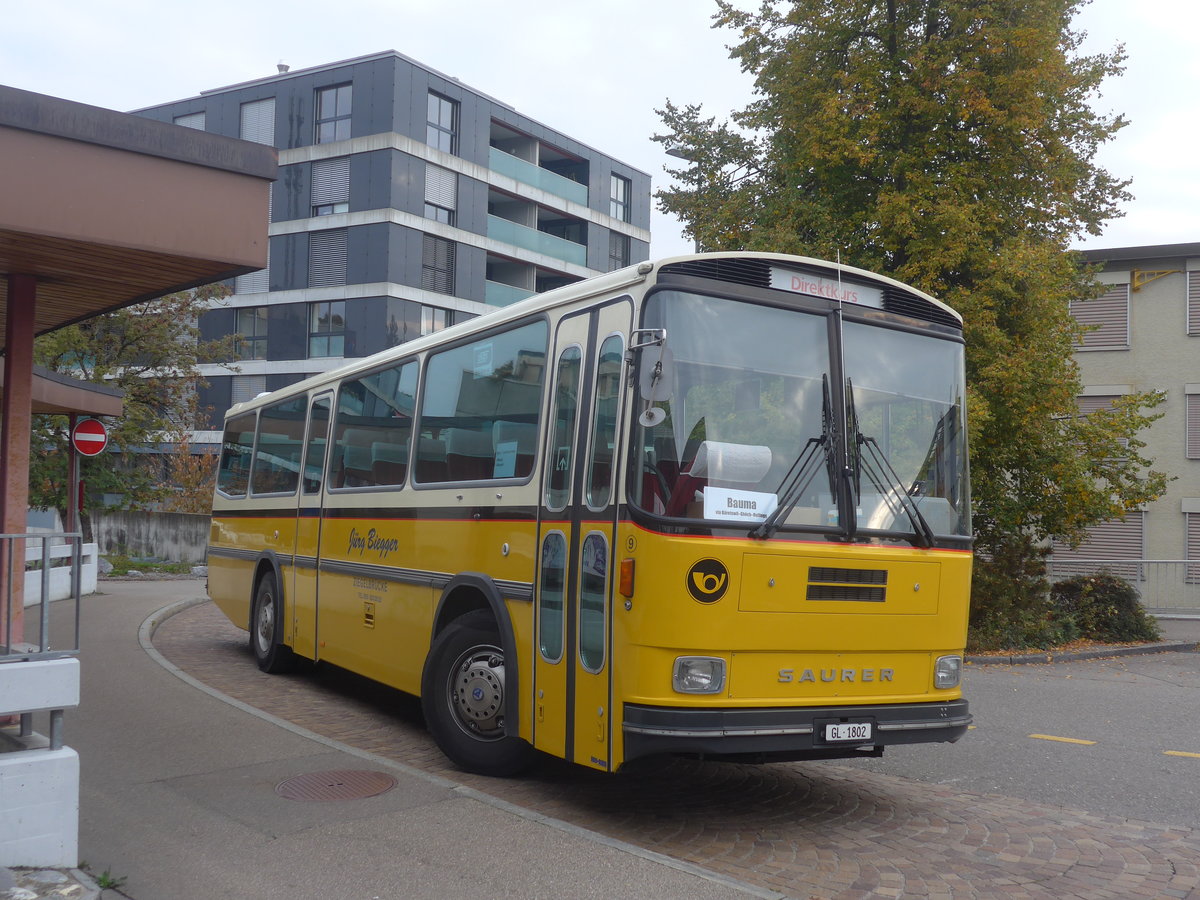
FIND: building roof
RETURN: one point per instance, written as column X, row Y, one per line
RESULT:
column 1152, row 251
column 106, row 209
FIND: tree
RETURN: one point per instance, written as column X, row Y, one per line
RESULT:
column 149, row 351
column 949, row 143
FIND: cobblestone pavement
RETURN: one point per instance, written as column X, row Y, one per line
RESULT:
column 803, row 829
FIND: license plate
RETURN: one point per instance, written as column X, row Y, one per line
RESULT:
column 848, row 731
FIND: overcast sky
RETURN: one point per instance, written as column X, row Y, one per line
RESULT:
column 596, row 71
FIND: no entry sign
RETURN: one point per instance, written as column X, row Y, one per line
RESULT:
column 89, row 437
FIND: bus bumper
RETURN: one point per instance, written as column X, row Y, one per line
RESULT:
column 786, row 733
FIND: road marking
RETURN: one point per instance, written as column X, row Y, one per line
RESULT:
column 1181, row 753
column 1061, row 740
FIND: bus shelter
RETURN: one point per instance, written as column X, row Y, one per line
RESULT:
column 101, row 210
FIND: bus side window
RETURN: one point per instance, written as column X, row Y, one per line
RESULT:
column 481, row 401
column 373, row 430
column 314, row 451
column 604, row 424
column 277, row 453
column 561, row 452
column 233, row 476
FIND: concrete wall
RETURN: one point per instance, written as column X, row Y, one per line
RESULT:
column 175, row 537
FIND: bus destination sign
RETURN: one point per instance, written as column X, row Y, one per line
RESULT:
column 830, row 288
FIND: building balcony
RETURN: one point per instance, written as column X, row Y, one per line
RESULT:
column 536, row 176
column 536, row 241
column 496, row 293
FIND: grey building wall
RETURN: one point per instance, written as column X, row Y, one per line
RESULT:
column 390, row 96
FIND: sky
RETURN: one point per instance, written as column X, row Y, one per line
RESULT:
column 596, row 71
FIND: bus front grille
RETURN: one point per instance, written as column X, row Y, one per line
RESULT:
column 852, row 585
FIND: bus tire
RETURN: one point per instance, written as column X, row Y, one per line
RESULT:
column 464, row 701
column 266, row 628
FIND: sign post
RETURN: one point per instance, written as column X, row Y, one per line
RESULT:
column 89, row 437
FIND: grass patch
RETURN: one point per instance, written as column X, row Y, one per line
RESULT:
column 123, row 564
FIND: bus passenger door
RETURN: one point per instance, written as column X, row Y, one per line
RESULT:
column 573, row 656
column 308, row 529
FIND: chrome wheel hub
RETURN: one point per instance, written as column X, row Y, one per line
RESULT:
column 477, row 692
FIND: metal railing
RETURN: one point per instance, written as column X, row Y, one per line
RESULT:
column 1165, row 586
column 37, row 557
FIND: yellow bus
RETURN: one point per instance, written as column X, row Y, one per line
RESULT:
column 715, row 505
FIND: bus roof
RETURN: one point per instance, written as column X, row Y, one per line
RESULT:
column 571, row 293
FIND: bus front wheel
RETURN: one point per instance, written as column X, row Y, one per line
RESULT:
column 266, row 637
column 464, row 700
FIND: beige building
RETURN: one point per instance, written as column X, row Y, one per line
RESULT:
column 1146, row 336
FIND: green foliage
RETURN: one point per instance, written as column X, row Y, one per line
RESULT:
column 122, row 564
column 150, row 352
column 1104, row 607
column 952, row 146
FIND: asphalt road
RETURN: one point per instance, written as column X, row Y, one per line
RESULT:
column 1131, row 727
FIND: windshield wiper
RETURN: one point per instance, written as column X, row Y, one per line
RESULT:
column 883, row 477
column 816, row 450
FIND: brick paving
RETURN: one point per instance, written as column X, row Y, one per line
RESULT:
column 803, row 829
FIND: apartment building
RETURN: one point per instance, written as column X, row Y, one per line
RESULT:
column 406, row 202
column 1145, row 336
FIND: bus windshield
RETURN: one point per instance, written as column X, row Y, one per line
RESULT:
column 749, row 389
column 746, row 435
column 909, row 455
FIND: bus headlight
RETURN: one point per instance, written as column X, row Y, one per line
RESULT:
column 947, row 672
column 699, row 675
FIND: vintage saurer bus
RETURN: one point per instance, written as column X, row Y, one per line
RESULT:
column 715, row 505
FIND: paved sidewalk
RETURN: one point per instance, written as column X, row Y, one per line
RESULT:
column 179, row 799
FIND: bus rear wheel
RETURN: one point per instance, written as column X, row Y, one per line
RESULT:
column 266, row 636
column 463, row 696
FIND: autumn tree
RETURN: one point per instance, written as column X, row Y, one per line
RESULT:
column 950, row 144
column 149, row 351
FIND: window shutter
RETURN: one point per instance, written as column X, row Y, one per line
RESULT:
column 437, row 265
column 441, row 187
column 1089, row 404
column 1112, row 542
column 258, row 121
column 1107, row 317
column 254, row 282
column 327, row 257
column 247, row 387
column 1193, row 302
column 1193, row 426
column 331, row 181
column 191, row 120
column 1193, row 547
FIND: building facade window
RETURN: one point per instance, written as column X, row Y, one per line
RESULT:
column 1193, row 302
column 252, row 331
column 333, row 113
column 195, row 120
column 258, row 121
column 432, row 320
column 247, row 387
column 331, row 186
column 618, row 250
column 1115, row 545
column 437, row 265
column 327, row 329
column 441, row 194
column 619, row 194
column 1193, row 422
column 327, row 257
column 442, row 124
column 1106, row 319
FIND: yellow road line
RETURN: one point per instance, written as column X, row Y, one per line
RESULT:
column 1061, row 740
column 1181, row 753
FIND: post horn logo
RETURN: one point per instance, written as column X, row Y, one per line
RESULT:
column 707, row 580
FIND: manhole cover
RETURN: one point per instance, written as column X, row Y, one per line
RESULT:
column 342, row 785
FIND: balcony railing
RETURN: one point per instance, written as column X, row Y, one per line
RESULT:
column 536, row 176
column 537, row 241
column 496, row 293
column 1164, row 585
